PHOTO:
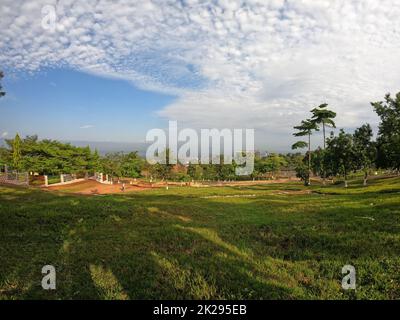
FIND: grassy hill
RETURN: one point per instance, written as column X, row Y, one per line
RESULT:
column 258, row 242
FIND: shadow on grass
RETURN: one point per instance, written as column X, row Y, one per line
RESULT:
column 170, row 246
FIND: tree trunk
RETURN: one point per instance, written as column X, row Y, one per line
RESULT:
column 365, row 178
column 323, row 169
column 309, row 159
column 345, row 180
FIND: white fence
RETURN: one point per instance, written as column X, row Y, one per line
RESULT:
column 67, row 178
column 102, row 178
column 64, row 179
column 22, row 178
column 17, row 178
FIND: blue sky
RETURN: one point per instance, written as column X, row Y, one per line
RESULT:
column 111, row 70
column 68, row 104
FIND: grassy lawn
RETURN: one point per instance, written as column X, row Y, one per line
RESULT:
column 259, row 242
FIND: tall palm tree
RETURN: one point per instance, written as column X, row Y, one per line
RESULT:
column 323, row 116
column 305, row 129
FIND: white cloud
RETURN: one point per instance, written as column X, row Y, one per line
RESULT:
column 4, row 134
column 260, row 64
column 86, row 126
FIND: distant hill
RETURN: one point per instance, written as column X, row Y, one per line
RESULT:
column 104, row 147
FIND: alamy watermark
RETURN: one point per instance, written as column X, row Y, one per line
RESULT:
column 205, row 149
column 349, row 280
column 49, row 18
column 49, row 280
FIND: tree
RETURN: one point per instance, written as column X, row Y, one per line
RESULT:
column 306, row 128
column 16, row 149
column 302, row 172
column 132, row 165
column 388, row 140
column 259, row 166
column 194, row 171
column 341, row 154
column 293, row 159
column 49, row 156
column 365, row 149
column 94, row 164
column 163, row 170
column 111, row 163
column 2, row 93
column 273, row 163
column 224, row 171
column 209, row 172
column 4, row 157
column 52, row 157
column 323, row 116
column 318, row 162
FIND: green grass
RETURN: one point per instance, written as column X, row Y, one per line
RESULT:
column 197, row 243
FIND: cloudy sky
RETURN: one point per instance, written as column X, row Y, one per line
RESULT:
column 110, row 70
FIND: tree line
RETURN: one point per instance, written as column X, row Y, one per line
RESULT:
column 350, row 152
column 52, row 157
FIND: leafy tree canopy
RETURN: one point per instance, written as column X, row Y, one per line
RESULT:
column 388, row 140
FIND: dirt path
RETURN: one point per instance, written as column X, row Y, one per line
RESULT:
column 91, row 187
column 94, row 187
